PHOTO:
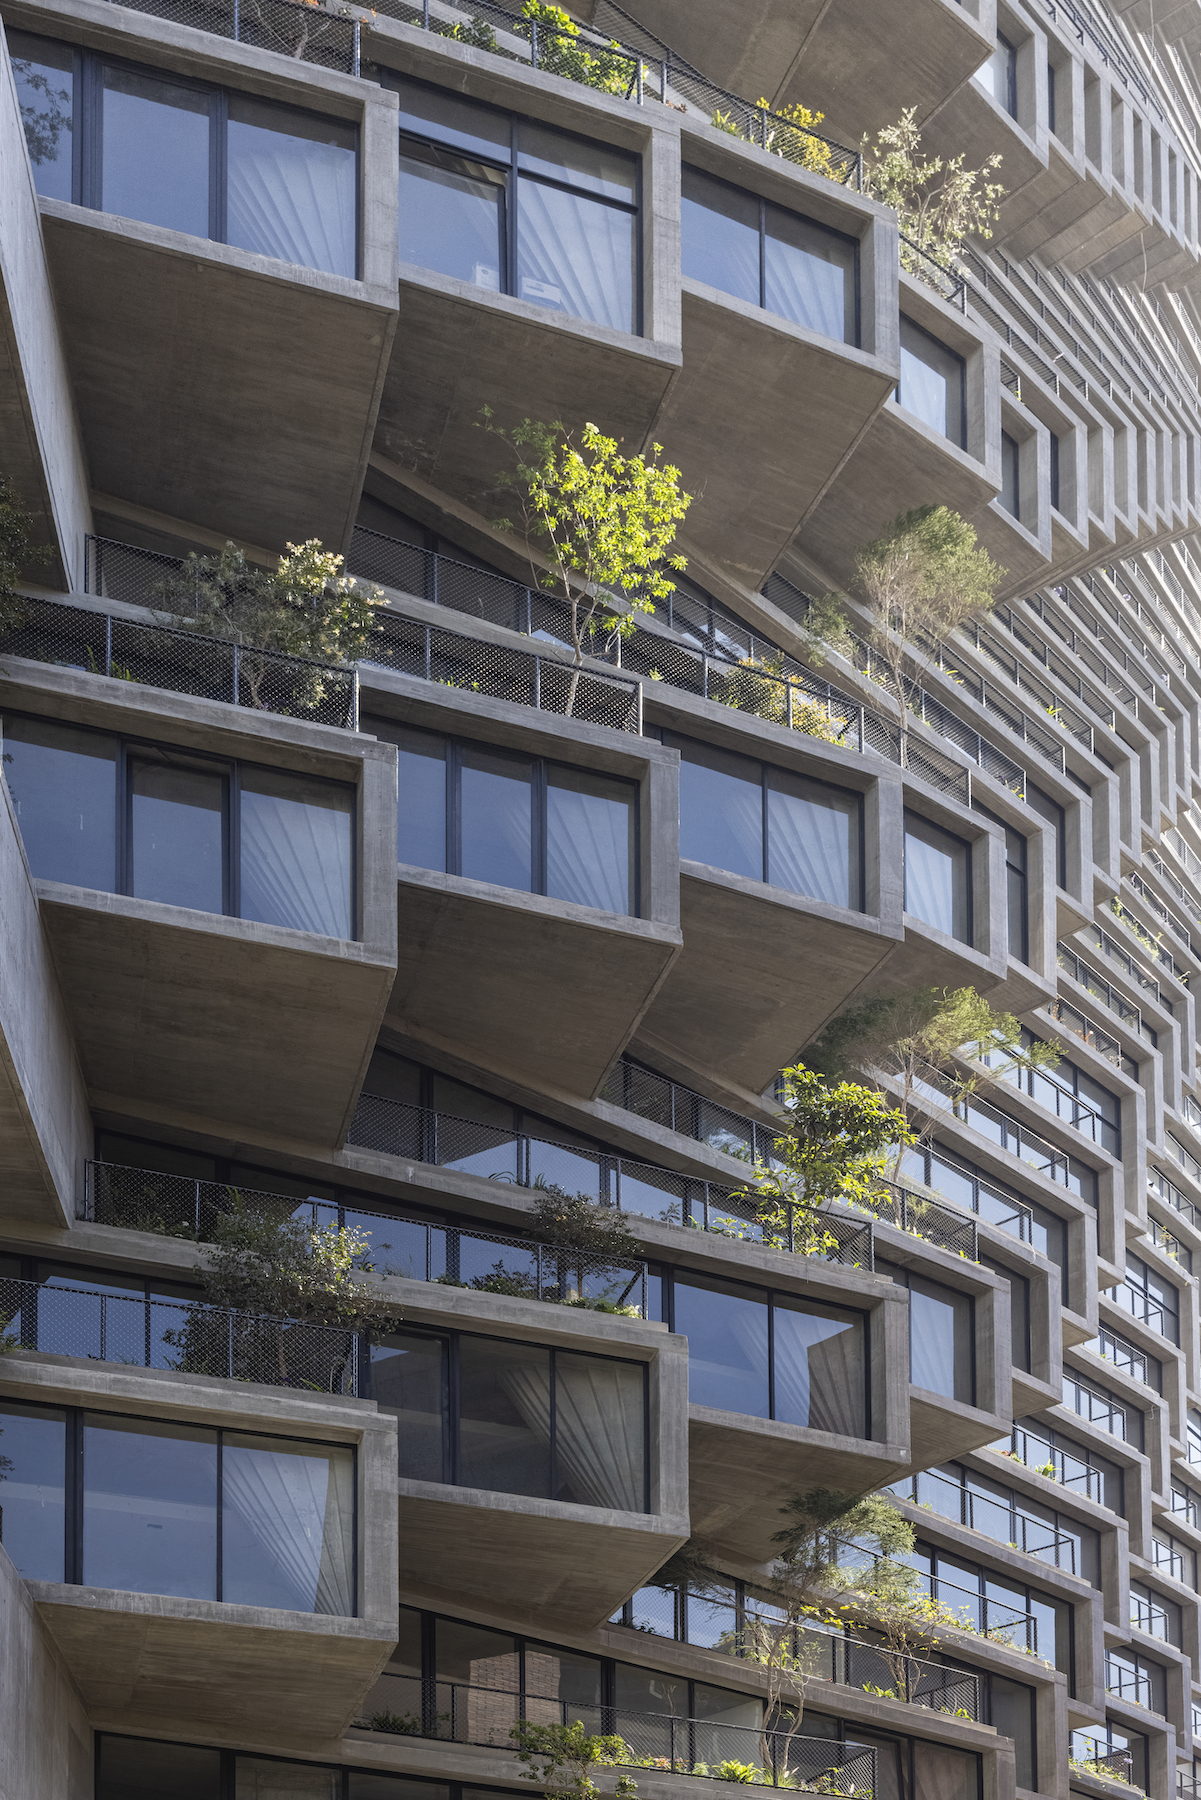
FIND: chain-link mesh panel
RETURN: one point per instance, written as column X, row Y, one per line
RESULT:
column 919, row 1681
column 653, row 1096
column 143, row 1332
column 417, row 1249
column 926, row 1219
column 127, row 572
column 503, row 672
column 183, row 662
column 305, row 33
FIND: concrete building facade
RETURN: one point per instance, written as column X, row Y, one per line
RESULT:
column 399, row 946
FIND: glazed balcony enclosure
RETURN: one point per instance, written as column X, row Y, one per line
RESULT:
column 255, row 293
column 535, row 854
column 161, row 1522
column 199, row 888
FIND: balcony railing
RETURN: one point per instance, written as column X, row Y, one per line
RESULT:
column 417, row 1249
column 1006, row 1524
column 396, row 1128
column 1114, row 1765
column 189, row 1337
column 1055, row 1463
column 184, row 662
column 456, row 1712
column 306, row 33
column 1101, row 990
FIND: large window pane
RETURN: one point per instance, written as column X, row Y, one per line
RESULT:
column 156, row 151
column 600, row 1432
column 721, row 809
column 453, row 119
column 421, row 795
column 809, row 275
column 33, row 1447
column 287, row 1525
column 137, row 1769
column 150, row 1507
column 452, row 216
column 719, row 236
column 475, row 1656
column 64, row 789
column 940, row 1340
column 727, row 1332
column 177, row 832
column 497, row 818
column 45, row 75
column 578, row 161
column 818, row 1368
column 938, row 869
column 931, row 382
column 86, row 1312
column 504, row 1414
column 590, row 839
column 293, row 187
column 298, row 852
column 408, row 1379
column 813, row 839
column 576, row 254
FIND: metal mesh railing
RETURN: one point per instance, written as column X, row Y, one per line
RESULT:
column 990, row 1515
column 1056, row 1463
column 411, row 1706
column 503, row 672
column 306, row 33
column 396, row 1128
column 616, row 55
column 417, row 1249
column 663, row 1101
column 144, row 1332
column 944, row 280
column 925, row 1218
column 184, row 662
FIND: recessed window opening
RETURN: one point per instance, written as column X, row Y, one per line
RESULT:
column 938, row 877
column 181, row 828
column 1011, row 493
column 518, row 207
column 770, row 257
column 215, row 163
column 933, row 383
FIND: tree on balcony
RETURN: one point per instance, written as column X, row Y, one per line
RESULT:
column 598, row 526
column 18, row 554
column 938, row 202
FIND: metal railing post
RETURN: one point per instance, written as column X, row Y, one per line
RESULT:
column 237, row 672
column 428, row 654
column 537, row 683
column 663, row 68
column 355, row 68
column 108, row 643
column 237, row 19
column 533, row 43
column 197, row 1211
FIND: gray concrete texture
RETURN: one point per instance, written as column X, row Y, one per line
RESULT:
column 45, row 1736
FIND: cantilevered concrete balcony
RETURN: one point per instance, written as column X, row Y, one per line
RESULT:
column 134, row 1654
column 184, row 1011
column 200, row 370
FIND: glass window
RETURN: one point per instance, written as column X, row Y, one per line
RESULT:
column 408, row 1379
column 45, row 76
column 261, row 1778
column 932, row 382
column 287, row 1525
column 421, row 794
column 291, row 185
column 601, row 170
column 941, row 1340
column 719, row 236
column 721, row 809
column 504, row 1416
column 1010, row 495
column 813, row 833
column 590, row 847
column 452, row 119
column 297, row 841
column 727, row 1332
column 33, row 1447
column 138, row 1769
column 149, row 1507
column 452, row 216
column 600, row 1431
column 938, row 872
column 63, row 783
column 177, row 831
column 156, row 150
column 818, row 1373
column 576, row 254
column 1051, row 811
column 497, row 817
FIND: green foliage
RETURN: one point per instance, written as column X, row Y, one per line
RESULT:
column 938, row 202
column 787, row 131
column 826, row 629
column 18, row 552
column 303, row 607
column 816, row 1520
column 760, row 685
column 476, row 31
column 574, row 1222
column 736, row 1771
column 261, row 1262
column 922, row 577
column 833, row 1145
column 402, row 1724
column 561, row 1759
column 605, row 522
column 562, row 51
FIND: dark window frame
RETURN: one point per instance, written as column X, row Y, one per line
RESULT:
column 455, row 1790
column 969, row 845
column 87, row 148
column 961, row 440
column 512, row 175
column 129, row 749
column 75, row 1477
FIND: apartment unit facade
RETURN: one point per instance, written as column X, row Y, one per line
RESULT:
column 262, row 266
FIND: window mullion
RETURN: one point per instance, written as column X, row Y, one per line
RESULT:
column 233, row 842
column 511, row 214
column 220, row 1513
column 539, row 825
column 218, row 168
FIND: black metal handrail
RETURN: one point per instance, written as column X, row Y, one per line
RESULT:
column 184, row 662
column 328, row 36
column 1003, row 1521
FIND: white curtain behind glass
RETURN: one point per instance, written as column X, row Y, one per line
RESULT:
column 298, row 1513
column 577, row 254
column 805, row 288
column 297, row 860
column 600, row 1426
column 808, row 848
column 292, row 198
column 930, row 884
column 588, row 849
column 923, row 391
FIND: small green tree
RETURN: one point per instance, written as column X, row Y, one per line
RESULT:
column 599, row 1236
column 938, row 201
column 18, row 552
column 605, row 523
column 562, row 50
column 561, row 1759
column 304, row 607
column 920, row 1040
column 834, row 1144
column 922, row 577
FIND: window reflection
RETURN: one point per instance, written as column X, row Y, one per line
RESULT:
column 150, row 1507
column 938, row 868
column 178, row 832
column 291, row 185
column 63, row 783
column 932, row 383
column 32, row 1502
column 156, row 151
column 45, row 76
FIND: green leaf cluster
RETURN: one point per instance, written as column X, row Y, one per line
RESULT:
column 263, row 1263
column 18, row 553
column 561, row 51
column 561, row 1759
column 938, row 202
column 305, row 606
